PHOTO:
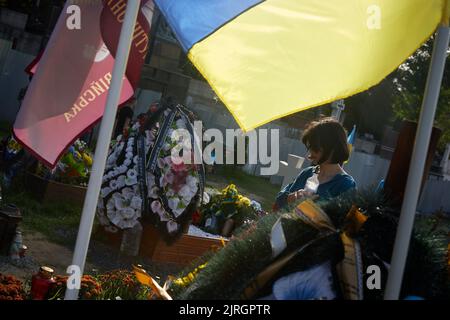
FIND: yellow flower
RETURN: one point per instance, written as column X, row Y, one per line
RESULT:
column 179, row 282
column 87, row 159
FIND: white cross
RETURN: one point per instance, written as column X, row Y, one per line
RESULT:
column 289, row 170
column 445, row 163
column 338, row 106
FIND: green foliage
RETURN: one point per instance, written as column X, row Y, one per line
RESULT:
column 57, row 221
column 228, row 204
column 259, row 186
column 123, row 284
column 409, row 86
column 73, row 167
column 232, row 268
column 229, row 271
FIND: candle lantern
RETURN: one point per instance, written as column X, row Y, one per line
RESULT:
column 41, row 283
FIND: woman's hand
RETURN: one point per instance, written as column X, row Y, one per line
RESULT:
column 301, row 194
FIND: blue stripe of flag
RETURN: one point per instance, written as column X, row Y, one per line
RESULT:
column 194, row 20
column 351, row 136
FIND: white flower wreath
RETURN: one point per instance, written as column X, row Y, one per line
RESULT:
column 177, row 185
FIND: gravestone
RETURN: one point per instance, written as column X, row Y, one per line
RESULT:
column 289, row 170
column 445, row 163
column 396, row 178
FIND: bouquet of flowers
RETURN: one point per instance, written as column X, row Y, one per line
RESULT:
column 123, row 284
column 225, row 206
column 73, row 167
column 12, row 160
column 143, row 180
column 11, row 288
column 90, row 288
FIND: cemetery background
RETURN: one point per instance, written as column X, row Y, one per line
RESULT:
column 167, row 73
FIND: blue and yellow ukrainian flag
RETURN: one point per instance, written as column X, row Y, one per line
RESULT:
column 351, row 139
column 268, row 59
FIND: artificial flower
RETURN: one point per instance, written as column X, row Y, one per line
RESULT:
column 136, row 126
column 170, row 133
column 136, row 202
column 180, row 124
column 106, row 191
column 150, row 180
column 196, row 217
column 156, row 206
column 153, row 192
column 173, row 203
column 110, row 205
column 127, row 213
column 120, row 202
column 122, row 169
column 191, row 181
column 127, row 162
column 130, row 181
column 185, row 202
column 166, row 147
column 149, row 135
column 167, row 178
column 112, row 215
column 100, row 203
column 103, row 219
column 172, row 226
column 113, row 184
column 160, row 162
column 128, row 193
column 188, row 192
column 120, row 181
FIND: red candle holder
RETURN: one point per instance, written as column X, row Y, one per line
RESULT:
column 41, row 283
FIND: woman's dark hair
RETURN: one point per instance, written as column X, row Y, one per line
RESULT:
column 329, row 136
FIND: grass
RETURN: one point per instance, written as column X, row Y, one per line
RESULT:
column 57, row 221
column 5, row 129
column 246, row 184
column 437, row 224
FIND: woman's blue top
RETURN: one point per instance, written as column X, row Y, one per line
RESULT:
column 339, row 184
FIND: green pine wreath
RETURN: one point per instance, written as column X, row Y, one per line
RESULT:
column 229, row 271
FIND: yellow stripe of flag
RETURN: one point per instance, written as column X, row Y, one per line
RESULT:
column 284, row 56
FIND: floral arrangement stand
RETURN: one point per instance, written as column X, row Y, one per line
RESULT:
column 51, row 191
column 226, row 211
column 182, row 252
column 145, row 182
column 67, row 181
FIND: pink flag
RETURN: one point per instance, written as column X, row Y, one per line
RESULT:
column 111, row 23
column 67, row 95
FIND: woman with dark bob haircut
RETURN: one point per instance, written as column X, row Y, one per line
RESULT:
column 326, row 141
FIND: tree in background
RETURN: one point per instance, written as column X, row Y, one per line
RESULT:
column 409, row 84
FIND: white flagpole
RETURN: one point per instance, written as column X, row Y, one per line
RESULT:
column 406, row 222
column 101, row 151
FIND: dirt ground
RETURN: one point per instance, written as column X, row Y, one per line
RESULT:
column 101, row 258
